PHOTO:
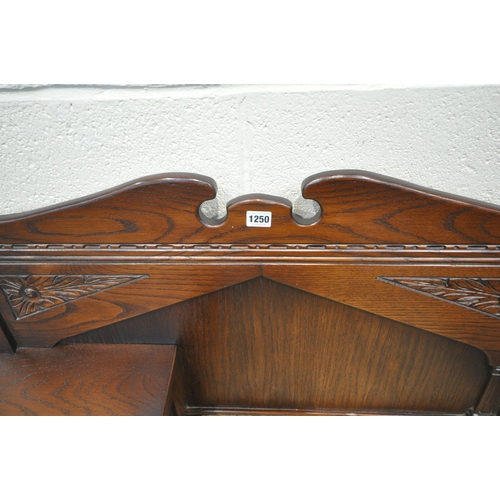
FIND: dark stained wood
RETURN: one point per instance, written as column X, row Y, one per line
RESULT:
column 163, row 285
column 151, row 209
column 176, row 398
column 263, row 345
column 5, row 345
column 489, row 404
column 360, row 287
column 357, row 207
column 87, row 380
column 160, row 286
column 315, row 316
column 364, row 207
column 208, row 411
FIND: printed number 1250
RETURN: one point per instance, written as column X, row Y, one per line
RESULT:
column 259, row 219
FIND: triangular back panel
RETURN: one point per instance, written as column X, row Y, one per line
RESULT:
column 261, row 344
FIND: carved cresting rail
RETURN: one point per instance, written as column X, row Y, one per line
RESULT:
column 387, row 302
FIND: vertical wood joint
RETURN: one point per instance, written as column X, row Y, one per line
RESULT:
column 489, row 402
column 7, row 342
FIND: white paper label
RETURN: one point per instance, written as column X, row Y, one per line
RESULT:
column 259, row 219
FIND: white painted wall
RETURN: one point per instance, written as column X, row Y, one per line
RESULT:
column 59, row 143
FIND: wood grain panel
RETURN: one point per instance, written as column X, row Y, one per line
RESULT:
column 364, row 207
column 358, row 286
column 357, row 207
column 262, row 345
column 87, row 380
column 151, row 209
column 162, row 285
column 5, row 346
column 489, row 403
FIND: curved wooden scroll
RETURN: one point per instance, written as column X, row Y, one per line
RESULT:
column 153, row 209
column 357, row 207
column 364, row 207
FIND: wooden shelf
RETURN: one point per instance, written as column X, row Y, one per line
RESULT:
column 88, row 379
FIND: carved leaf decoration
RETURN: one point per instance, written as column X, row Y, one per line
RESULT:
column 28, row 295
column 480, row 294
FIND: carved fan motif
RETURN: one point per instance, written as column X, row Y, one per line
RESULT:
column 480, row 294
column 28, row 295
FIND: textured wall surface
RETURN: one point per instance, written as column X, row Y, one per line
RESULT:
column 59, row 143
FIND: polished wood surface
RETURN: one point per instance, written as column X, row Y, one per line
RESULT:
column 387, row 301
column 357, row 207
column 164, row 284
column 264, row 345
column 87, row 380
column 159, row 286
column 363, row 287
column 5, row 345
column 152, row 209
column 489, row 403
column 363, row 207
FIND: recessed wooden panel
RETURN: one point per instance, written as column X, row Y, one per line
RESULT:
column 261, row 344
column 145, row 287
column 87, row 380
column 366, row 287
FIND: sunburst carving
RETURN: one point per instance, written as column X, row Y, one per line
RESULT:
column 479, row 294
column 29, row 295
